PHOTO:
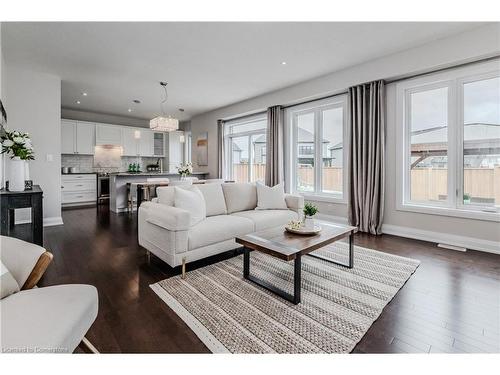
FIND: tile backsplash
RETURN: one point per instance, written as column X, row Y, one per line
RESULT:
column 85, row 163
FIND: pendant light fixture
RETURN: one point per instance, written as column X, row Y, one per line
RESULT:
column 164, row 123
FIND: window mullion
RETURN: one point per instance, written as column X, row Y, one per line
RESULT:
column 318, row 151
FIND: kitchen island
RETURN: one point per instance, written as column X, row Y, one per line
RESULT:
column 118, row 185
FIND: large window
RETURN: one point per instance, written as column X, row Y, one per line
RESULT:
column 449, row 134
column 246, row 149
column 317, row 152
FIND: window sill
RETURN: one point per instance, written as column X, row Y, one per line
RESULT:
column 453, row 212
column 322, row 198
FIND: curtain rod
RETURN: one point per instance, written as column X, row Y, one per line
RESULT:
column 387, row 81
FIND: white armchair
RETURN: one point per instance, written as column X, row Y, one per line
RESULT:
column 52, row 319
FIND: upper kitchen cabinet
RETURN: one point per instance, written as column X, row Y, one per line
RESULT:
column 68, row 137
column 130, row 141
column 108, row 134
column 146, row 143
column 85, row 138
column 77, row 137
column 137, row 142
column 158, row 144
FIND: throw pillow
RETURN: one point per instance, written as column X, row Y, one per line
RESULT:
column 192, row 201
column 270, row 198
column 214, row 198
column 8, row 284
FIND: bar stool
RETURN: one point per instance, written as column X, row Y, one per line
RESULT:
column 155, row 181
column 132, row 194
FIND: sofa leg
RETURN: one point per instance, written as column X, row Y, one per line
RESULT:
column 183, row 276
column 89, row 346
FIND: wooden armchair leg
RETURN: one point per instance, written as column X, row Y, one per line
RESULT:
column 38, row 271
column 89, row 345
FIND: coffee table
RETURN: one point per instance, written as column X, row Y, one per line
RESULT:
column 278, row 243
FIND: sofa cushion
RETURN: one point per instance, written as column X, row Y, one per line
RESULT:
column 264, row 219
column 8, row 285
column 214, row 199
column 270, row 198
column 52, row 319
column 166, row 194
column 192, row 201
column 240, row 196
column 216, row 229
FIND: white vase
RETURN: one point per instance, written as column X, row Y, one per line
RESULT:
column 16, row 174
column 309, row 223
column 26, row 170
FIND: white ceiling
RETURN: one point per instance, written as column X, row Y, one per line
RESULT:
column 207, row 65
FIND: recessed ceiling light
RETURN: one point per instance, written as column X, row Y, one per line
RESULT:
column 130, row 109
column 77, row 102
column 283, row 63
column 84, row 93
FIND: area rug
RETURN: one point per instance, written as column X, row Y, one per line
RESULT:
column 232, row 315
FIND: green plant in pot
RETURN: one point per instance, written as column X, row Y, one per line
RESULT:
column 309, row 211
column 467, row 198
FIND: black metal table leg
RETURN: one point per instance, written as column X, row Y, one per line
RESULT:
column 297, row 279
column 349, row 264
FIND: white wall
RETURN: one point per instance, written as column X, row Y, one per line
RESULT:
column 33, row 104
column 469, row 46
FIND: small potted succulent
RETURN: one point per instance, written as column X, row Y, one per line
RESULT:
column 185, row 170
column 309, row 211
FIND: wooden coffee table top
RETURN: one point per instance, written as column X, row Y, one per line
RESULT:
column 284, row 245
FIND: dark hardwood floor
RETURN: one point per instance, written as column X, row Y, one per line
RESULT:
column 450, row 305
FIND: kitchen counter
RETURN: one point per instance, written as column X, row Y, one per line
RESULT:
column 67, row 174
column 121, row 174
column 118, row 185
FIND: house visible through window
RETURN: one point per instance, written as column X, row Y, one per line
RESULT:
column 246, row 144
column 318, row 147
column 450, row 137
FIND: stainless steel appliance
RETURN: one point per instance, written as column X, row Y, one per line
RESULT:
column 102, row 188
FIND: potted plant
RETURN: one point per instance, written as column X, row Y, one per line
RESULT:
column 185, row 170
column 309, row 211
column 467, row 197
column 18, row 146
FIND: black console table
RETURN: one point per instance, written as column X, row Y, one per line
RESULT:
column 11, row 200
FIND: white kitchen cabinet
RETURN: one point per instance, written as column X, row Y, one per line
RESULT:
column 158, row 144
column 146, row 143
column 175, row 150
column 85, row 138
column 108, row 134
column 78, row 189
column 68, row 136
column 129, row 143
column 77, row 137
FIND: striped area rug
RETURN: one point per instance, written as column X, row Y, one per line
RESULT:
column 233, row 315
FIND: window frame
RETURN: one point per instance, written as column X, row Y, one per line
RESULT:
column 291, row 130
column 454, row 80
column 228, row 136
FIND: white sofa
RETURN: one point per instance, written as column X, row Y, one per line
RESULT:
column 52, row 319
column 165, row 230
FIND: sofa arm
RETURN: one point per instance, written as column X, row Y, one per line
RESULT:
column 294, row 202
column 168, row 217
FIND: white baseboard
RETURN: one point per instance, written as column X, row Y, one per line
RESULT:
column 47, row 221
column 52, row 221
column 429, row 236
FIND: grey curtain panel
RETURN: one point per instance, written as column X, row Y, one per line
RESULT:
column 366, row 170
column 220, row 149
column 274, row 146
